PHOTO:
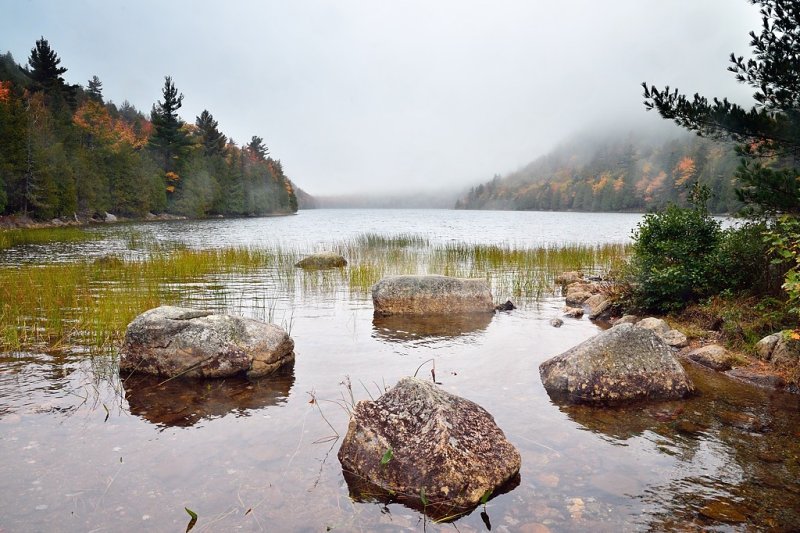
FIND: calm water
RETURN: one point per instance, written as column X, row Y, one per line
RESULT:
column 84, row 451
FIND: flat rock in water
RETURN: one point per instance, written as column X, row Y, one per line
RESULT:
column 174, row 341
column 417, row 439
column 712, row 356
column 620, row 365
column 322, row 260
column 567, row 278
column 420, row 295
column 573, row 312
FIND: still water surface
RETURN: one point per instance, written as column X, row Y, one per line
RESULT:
column 83, row 450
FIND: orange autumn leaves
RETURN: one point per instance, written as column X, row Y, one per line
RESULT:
column 94, row 119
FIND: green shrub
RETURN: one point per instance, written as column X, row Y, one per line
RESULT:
column 743, row 260
column 674, row 258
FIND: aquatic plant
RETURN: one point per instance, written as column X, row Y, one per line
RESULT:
column 87, row 304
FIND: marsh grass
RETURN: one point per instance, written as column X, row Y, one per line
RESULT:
column 87, row 305
column 11, row 238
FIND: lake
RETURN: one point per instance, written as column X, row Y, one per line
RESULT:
column 83, row 449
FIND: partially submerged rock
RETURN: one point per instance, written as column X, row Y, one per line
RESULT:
column 322, row 260
column 417, row 440
column 567, row 278
column 622, row 364
column 556, row 322
column 507, row 306
column 712, row 356
column 419, row 295
column 573, row 312
column 599, row 306
column 174, row 341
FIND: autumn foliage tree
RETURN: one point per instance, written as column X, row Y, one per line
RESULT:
column 65, row 152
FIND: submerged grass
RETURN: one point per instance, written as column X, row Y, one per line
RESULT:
column 11, row 238
column 88, row 304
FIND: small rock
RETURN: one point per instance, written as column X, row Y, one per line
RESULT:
column 723, row 511
column 712, row 356
column 322, row 260
column 577, row 297
column 556, row 322
column 599, row 306
column 765, row 346
column 656, row 325
column 567, row 278
column 675, row 338
column 741, row 421
column 627, row 319
column 573, row 312
column 689, row 428
column 508, row 306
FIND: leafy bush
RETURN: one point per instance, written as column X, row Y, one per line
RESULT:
column 743, row 260
column 674, row 258
column 784, row 239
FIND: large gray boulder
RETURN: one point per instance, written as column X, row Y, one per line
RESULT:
column 418, row 439
column 436, row 295
column 620, row 365
column 175, row 341
column 322, row 260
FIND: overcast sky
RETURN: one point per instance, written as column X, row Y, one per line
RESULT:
column 372, row 95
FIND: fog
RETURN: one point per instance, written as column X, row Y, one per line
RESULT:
column 395, row 96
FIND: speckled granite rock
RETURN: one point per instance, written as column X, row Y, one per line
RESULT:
column 419, row 295
column 322, row 260
column 443, row 446
column 620, row 365
column 175, row 341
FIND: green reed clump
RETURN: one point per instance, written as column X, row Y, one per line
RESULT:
column 11, row 238
column 89, row 303
column 401, row 240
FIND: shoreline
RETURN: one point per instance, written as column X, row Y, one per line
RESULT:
column 12, row 222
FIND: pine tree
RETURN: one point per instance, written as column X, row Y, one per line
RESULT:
column 44, row 63
column 769, row 132
column 257, row 149
column 169, row 141
column 95, row 89
column 212, row 140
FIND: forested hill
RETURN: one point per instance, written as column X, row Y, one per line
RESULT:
column 65, row 151
column 619, row 172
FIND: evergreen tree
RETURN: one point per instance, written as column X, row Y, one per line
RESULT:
column 95, row 89
column 169, row 141
column 212, row 140
column 257, row 149
column 768, row 132
column 44, row 65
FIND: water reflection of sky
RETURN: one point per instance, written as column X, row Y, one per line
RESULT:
column 83, row 449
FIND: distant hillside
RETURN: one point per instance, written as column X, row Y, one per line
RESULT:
column 419, row 200
column 304, row 200
column 620, row 172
